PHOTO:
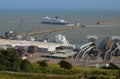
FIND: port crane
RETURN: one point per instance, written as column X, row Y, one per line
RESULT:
column 19, row 27
column 14, row 33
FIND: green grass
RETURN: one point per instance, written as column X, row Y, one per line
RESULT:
column 4, row 75
column 53, row 71
column 33, row 76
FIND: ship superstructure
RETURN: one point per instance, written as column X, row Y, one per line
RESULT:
column 56, row 20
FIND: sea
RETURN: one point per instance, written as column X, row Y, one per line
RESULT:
column 25, row 21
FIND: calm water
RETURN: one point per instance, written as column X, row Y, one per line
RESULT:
column 10, row 20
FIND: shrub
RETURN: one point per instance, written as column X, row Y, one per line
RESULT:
column 2, row 67
column 65, row 64
column 118, row 75
column 111, row 66
column 16, row 67
column 25, row 65
column 42, row 63
column 101, row 77
column 44, row 70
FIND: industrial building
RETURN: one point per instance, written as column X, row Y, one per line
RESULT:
column 41, row 46
column 61, row 54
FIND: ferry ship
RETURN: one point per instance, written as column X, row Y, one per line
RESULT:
column 56, row 20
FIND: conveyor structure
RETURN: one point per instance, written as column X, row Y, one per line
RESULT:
column 84, row 50
column 113, row 51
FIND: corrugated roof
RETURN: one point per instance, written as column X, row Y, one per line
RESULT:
column 29, row 43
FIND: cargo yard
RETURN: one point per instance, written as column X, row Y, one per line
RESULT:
column 53, row 52
column 60, row 39
column 87, row 54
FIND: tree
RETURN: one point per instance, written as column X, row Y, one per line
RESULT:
column 65, row 64
column 9, row 58
column 12, row 58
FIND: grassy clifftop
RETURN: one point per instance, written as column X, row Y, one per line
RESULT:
column 53, row 71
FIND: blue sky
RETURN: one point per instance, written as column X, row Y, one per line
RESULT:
column 60, row 4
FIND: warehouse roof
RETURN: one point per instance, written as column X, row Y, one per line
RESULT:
column 14, row 43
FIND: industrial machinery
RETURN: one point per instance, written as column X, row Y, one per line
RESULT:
column 114, row 49
column 87, row 49
column 12, row 34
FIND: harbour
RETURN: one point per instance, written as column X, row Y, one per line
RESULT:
column 29, row 24
column 80, row 55
column 59, row 39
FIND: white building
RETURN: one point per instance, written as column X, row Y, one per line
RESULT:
column 42, row 46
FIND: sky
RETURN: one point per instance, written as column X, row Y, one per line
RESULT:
column 60, row 4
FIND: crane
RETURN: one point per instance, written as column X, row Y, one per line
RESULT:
column 13, row 33
column 19, row 27
column 45, row 38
